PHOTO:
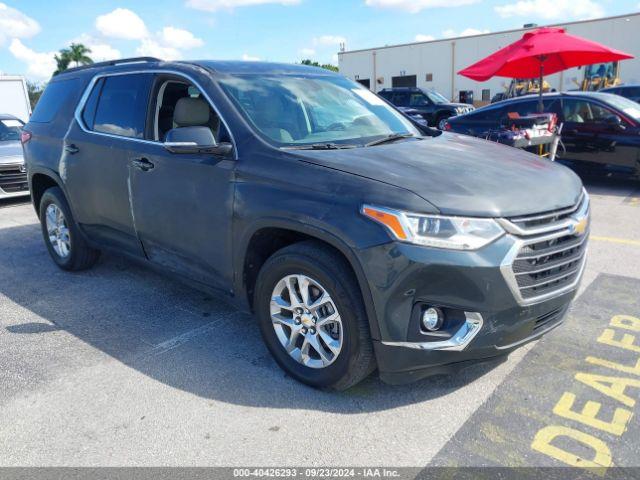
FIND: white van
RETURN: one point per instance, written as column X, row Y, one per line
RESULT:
column 14, row 97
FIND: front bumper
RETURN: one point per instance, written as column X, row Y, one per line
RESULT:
column 479, row 284
column 13, row 180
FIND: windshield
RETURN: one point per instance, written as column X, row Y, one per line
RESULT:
column 628, row 107
column 436, row 97
column 10, row 130
column 296, row 111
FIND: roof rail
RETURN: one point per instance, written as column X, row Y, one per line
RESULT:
column 110, row 63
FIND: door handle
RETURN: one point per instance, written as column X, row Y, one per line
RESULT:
column 71, row 149
column 142, row 164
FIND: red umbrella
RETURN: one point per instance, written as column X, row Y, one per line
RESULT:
column 545, row 50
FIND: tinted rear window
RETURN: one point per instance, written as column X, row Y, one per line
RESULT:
column 122, row 108
column 54, row 96
column 89, row 111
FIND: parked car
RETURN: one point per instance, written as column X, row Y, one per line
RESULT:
column 600, row 132
column 433, row 107
column 414, row 115
column 632, row 92
column 13, row 175
column 357, row 239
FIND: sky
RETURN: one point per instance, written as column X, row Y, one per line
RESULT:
column 32, row 31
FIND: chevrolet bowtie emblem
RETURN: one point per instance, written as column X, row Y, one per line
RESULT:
column 579, row 227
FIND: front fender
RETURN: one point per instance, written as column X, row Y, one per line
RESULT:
column 323, row 232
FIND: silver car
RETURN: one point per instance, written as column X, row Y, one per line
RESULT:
column 13, row 174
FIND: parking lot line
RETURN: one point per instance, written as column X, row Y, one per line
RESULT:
column 624, row 241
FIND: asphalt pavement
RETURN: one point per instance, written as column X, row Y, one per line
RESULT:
column 120, row 366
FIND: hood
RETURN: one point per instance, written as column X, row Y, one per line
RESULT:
column 461, row 175
column 11, row 152
column 463, row 105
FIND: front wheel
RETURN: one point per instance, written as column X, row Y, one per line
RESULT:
column 441, row 121
column 312, row 317
column 65, row 244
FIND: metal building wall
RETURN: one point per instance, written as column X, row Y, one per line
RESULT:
column 443, row 58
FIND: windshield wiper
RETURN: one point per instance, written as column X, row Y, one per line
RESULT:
column 390, row 138
column 321, row 146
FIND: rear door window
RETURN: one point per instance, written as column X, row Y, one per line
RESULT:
column 530, row 107
column 401, row 99
column 89, row 111
column 54, row 97
column 122, row 105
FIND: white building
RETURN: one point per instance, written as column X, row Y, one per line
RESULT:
column 434, row 64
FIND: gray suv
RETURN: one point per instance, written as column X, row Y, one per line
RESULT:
column 359, row 239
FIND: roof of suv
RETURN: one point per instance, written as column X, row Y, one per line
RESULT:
column 401, row 89
column 618, row 87
column 221, row 66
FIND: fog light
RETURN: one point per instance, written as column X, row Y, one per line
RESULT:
column 432, row 319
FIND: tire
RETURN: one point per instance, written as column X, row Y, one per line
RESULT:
column 76, row 254
column 331, row 273
column 440, row 119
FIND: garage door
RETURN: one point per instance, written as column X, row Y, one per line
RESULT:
column 404, row 81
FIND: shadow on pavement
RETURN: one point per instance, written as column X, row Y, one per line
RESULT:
column 177, row 335
column 611, row 185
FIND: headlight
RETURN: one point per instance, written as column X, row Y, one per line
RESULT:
column 457, row 233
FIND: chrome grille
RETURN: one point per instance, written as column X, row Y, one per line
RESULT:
column 549, row 265
column 550, row 253
column 13, row 179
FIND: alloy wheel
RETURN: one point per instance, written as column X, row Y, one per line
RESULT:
column 58, row 231
column 306, row 321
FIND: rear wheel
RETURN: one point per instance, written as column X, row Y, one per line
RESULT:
column 312, row 317
column 67, row 247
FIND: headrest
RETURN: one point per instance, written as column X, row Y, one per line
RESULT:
column 191, row 112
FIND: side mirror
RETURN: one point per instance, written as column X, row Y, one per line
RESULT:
column 195, row 140
column 615, row 122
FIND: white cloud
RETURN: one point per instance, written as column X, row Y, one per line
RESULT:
column 39, row 64
column 100, row 50
column 249, row 58
column 152, row 48
column 213, row 5
column 467, row 32
column 552, row 9
column 414, row 6
column 179, row 38
column 15, row 24
column 323, row 48
column 168, row 44
column 122, row 23
column 103, row 51
column 424, row 38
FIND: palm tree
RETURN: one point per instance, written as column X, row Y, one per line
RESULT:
column 62, row 60
column 77, row 54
